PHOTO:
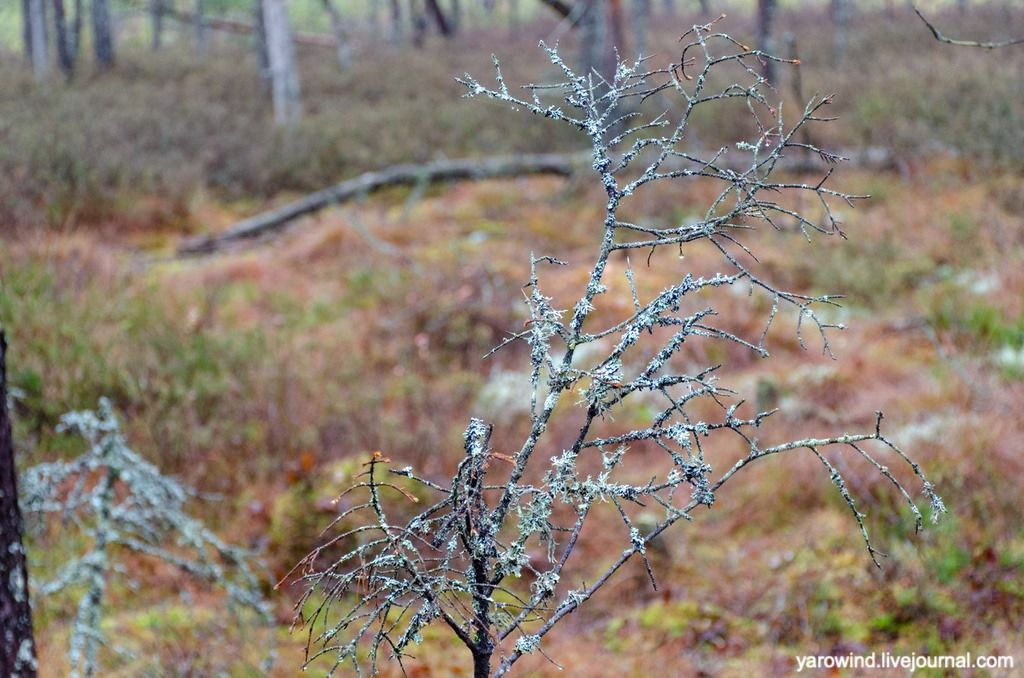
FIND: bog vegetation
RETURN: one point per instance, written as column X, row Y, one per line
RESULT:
column 265, row 377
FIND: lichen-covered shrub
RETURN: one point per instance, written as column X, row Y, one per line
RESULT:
column 491, row 556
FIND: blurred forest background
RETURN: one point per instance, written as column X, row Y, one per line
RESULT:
column 265, row 374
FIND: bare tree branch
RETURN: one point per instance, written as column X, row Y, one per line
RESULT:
column 492, row 557
column 965, row 43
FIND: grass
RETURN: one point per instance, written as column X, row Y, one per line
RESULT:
column 173, row 128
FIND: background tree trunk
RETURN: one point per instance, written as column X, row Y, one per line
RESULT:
column 593, row 38
column 40, row 52
column 765, row 41
column 395, row 31
column 840, row 23
column 284, row 76
column 343, row 47
column 17, row 646
column 419, row 23
column 26, row 28
column 444, row 26
column 75, row 37
column 617, row 28
column 565, row 8
column 202, row 36
column 156, row 15
column 102, row 33
column 262, row 56
column 455, row 15
column 513, row 15
column 67, row 44
column 641, row 19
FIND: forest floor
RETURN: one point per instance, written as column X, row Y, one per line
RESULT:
column 265, row 375
column 258, row 374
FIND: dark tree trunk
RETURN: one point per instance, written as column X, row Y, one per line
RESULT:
column 26, row 28
column 75, row 39
column 563, row 7
column 419, row 24
column 202, row 38
column 156, row 15
column 481, row 664
column 102, row 33
column 444, row 26
column 17, row 646
column 65, row 49
column 765, row 41
column 483, row 640
column 262, row 57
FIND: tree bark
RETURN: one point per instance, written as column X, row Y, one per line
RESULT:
column 513, row 15
column 26, row 29
column 342, row 45
column 840, row 23
column 284, row 76
column 765, row 40
column 641, row 17
column 67, row 47
column 370, row 182
column 40, row 51
column 444, row 26
column 395, row 34
column 482, row 664
column 156, row 15
column 593, row 39
column 560, row 6
column 455, row 15
column 102, row 34
column 262, row 57
column 17, row 645
column 419, row 23
column 573, row 13
column 617, row 29
column 202, row 36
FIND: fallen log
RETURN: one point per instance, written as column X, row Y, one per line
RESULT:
column 454, row 170
column 370, row 182
column 228, row 25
